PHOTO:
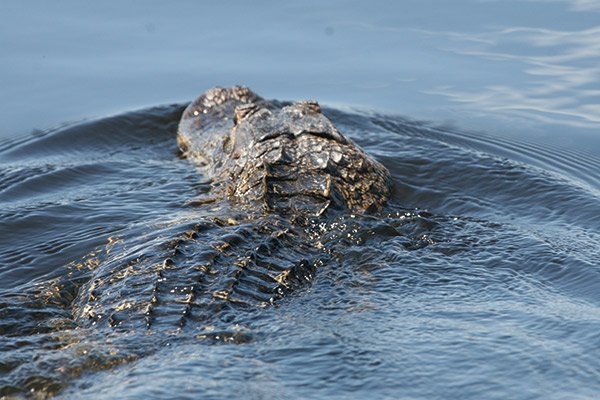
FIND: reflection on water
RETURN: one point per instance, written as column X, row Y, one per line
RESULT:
column 561, row 67
column 576, row 5
column 513, row 68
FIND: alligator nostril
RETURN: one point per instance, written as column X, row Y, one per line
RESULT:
column 309, row 105
column 243, row 111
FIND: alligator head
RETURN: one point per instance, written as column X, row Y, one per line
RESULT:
column 285, row 158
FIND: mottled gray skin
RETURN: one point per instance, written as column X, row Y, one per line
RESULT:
column 275, row 171
column 289, row 158
column 269, row 164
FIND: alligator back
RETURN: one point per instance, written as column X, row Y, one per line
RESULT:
column 192, row 269
column 279, row 174
column 273, row 169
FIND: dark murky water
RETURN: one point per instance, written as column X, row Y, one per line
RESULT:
column 480, row 280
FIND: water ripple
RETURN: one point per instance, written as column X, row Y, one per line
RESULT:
column 557, row 73
column 479, row 278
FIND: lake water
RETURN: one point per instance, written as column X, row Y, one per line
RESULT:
column 480, row 280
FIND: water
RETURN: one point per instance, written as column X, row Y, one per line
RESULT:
column 480, row 280
column 515, row 68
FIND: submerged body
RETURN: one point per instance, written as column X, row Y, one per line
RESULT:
column 469, row 301
column 273, row 169
column 279, row 175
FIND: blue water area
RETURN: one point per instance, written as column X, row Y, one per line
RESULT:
column 513, row 68
column 479, row 280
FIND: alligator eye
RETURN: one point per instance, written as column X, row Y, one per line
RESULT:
column 243, row 111
column 242, row 93
column 215, row 96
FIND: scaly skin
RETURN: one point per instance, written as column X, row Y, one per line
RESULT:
column 272, row 167
column 278, row 172
column 288, row 158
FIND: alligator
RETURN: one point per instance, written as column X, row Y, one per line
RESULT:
column 283, row 158
column 275, row 167
column 278, row 172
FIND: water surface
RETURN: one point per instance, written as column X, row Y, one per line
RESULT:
column 517, row 68
column 480, row 280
